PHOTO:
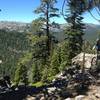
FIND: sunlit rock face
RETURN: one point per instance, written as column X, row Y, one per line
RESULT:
column 0, row 61
column 88, row 59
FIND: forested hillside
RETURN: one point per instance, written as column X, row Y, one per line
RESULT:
column 12, row 46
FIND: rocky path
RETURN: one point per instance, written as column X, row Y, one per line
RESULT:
column 92, row 94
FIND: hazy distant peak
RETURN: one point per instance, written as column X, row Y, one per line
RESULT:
column 14, row 26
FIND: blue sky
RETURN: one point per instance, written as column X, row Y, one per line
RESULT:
column 22, row 10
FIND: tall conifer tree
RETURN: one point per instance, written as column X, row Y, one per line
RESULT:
column 75, row 31
column 47, row 11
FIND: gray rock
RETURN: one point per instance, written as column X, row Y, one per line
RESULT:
column 97, row 95
column 68, row 99
column 30, row 98
column 51, row 89
column 80, row 97
column 42, row 98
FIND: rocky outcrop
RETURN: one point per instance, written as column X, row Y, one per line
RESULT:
column 92, row 94
column 88, row 59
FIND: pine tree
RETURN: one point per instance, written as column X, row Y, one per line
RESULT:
column 38, row 47
column 37, row 26
column 21, row 74
column 61, row 58
column 85, row 5
column 47, row 10
column 39, row 54
column 75, row 31
column 55, row 61
column 45, row 73
column 35, row 74
column 88, row 47
column 89, row 4
column 65, row 55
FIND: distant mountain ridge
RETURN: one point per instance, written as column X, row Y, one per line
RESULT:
column 14, row 26
column 91, row 32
